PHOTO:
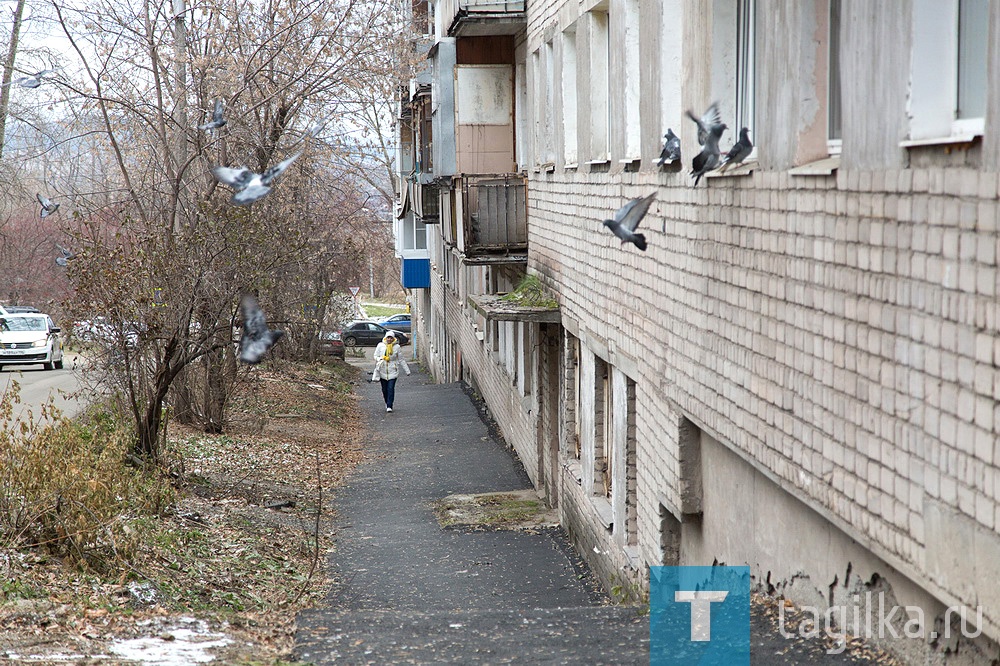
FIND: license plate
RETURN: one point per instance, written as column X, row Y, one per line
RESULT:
column 14, row 352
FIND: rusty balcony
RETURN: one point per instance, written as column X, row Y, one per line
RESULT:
column 492, row 210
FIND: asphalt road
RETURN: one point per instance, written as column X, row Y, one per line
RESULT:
column 37, row 385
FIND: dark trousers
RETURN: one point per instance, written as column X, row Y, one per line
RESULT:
column 388, row 390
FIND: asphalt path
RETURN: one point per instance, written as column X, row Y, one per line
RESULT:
column 37, row 386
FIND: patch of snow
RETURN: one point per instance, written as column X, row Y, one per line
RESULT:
column 176, row 646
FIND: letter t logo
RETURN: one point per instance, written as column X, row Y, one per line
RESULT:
column 701, row 611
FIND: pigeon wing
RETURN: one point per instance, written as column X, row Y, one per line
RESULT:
column 629, row 215
column 278, row 169
column 234, row 178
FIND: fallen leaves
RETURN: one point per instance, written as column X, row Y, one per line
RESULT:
column 239, row 550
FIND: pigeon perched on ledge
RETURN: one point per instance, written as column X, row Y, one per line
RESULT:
column 739, row 152
column 671, row 148
column 627, row 219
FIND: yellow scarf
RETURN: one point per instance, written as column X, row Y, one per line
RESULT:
column 388, row 352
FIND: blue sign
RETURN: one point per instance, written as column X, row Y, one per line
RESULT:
column 699, row 615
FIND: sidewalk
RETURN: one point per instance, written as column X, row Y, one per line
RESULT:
column 407, row 591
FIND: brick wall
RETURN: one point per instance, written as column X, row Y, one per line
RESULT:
column 839, row 332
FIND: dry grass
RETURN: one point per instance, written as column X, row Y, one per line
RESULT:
column 96, row 548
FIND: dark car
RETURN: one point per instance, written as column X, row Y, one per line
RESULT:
column 368, row 334
column 331, row 343
column 398, row 322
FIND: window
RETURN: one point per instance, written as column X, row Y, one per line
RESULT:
column 833, row 103
column 569, row 96
column 733, row 70
column 633, row 135
column 414, row 234
column 671, row 69
column 548, row 119
column 621, row 457
column 524, row 358
column 600, row 111
column 948, row 69
column 520, row 115
column 973, row 34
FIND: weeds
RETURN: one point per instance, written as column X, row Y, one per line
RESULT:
column 64, row 487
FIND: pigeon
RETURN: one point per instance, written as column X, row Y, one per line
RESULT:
column 257, row 338
column 250, row 186
column 47, row 206
column 66, row 256
column 708, row 158
column 627, row 218
column 217, row 119
column 32, row 81
column 671, row 148
column 739, row 152
column 708, row 120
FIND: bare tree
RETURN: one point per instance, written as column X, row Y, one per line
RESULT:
column 163, row 255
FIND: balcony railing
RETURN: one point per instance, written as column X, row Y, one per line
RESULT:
column 493, row 214
column 483, row 17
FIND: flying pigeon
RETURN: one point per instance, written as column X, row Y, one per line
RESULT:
column 627, row 218
column 708, row 120
column 708, row 158
column 257, row 338
column 671, row 148
column 251, row 186
column 47, row 206
column 217, row 119
column 33, row 80
column 66, row 256
column 739, row 152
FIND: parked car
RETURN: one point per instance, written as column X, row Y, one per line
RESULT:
column 29, row 338
column 14, row 309
column 368, row 334
column 330, row 342
column 398, row 322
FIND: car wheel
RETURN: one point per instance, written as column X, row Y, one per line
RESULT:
column 351, row 341
column 58, row 364
column 47, row 366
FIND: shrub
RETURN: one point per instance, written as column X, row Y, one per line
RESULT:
column 65, row 486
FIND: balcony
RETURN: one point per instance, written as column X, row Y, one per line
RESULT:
column 492, row 214
column 477, row 18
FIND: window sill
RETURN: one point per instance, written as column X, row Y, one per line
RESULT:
column 571, row 167
column 744, row 169
column 602, row 508
column 823, row 167
column 630, row 160
column 597, row 162
column 940, row 141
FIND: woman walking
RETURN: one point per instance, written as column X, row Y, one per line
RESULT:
column 387, row 362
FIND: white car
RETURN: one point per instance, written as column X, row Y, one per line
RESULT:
column 29, row 338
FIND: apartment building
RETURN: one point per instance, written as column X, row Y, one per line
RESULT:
column 800, row 374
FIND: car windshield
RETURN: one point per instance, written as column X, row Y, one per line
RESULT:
column 23, row 324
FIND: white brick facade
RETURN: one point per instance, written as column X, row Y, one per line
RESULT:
column 802, row 372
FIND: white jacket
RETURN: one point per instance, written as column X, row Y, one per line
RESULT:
column 388, row 369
